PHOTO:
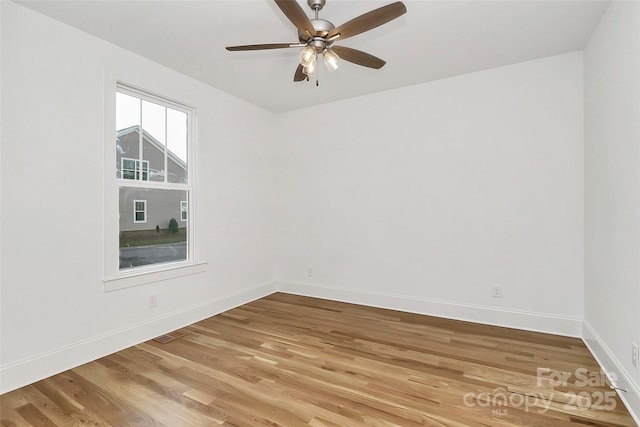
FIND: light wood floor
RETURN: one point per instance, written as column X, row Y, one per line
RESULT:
column 289, row 361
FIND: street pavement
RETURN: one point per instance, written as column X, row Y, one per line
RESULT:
column 154, row 254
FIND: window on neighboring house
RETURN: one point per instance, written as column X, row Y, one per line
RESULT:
column 139, row 211
column 153, row 140
column 131, row 169
column 183, row 210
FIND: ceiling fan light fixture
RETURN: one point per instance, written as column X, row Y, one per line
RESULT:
column 307, row 56
column 331, row 60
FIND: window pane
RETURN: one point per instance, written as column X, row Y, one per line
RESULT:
column 153, row 123
column 128, row 168
column 127, row 111
column 127, row 136
column 162, row 238
column 177, row 145
column 145, row 170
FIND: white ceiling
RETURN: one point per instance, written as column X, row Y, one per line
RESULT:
column 433, row 40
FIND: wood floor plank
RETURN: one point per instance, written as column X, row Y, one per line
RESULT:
column 289, row 361
column 34, row 416
column 10, row 418
column 49, row 408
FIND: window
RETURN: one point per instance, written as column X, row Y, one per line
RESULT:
column 152, row 178
column 183, row 211
column 131, row 169
column 139, row 211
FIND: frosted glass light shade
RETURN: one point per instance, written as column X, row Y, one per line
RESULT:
column 331, row 60
column 310, row 68
column 307, row 56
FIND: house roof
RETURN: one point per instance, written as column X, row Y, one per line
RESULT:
column 154, row 142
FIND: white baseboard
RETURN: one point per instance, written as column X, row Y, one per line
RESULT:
column 614, row 370
column 27, row 371
column 530, row 321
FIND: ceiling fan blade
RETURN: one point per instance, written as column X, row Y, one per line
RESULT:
column 263, row 46
column 368, row 21
column 296, row 15
column 299, row 75
column 358, row 57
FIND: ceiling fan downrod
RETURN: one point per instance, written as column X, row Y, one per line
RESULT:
column 316, row 5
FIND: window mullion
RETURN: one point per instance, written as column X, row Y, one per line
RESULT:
column 166, row 149
column 139, row 174
column 153, row 185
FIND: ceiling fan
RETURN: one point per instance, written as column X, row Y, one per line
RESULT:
column 317, row 36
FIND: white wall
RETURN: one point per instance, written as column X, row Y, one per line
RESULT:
column 54, row 311
column 421, row 198
column 612, row 193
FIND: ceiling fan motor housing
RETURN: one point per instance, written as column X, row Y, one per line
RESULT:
column 321, row 27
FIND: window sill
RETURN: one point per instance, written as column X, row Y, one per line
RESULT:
column 145, row 276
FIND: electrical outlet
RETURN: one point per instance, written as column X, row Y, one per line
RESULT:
column 496, row 291
column 310, row 271
column 153, row 301
column 634, row 355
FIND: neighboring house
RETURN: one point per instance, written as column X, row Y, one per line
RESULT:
column 145, row 208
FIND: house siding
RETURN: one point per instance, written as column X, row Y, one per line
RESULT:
column 177, row 174
column 162, row 205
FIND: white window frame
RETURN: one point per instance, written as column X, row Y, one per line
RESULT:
column 114, row 278
column 184, row 210
column 135, row 212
